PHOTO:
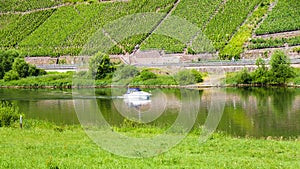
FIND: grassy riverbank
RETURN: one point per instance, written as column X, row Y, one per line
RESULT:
column 43, row 145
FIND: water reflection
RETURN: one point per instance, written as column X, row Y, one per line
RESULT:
column 257, row 112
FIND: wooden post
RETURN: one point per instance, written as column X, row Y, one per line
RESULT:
column 21, row 121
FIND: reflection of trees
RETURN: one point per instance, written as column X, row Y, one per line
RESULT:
column 283, row 99
column 269, row 108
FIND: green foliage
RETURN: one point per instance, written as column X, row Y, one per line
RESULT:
column 280, row 71
column 196, row 12
column 6, row 61
column 21, row 5
column 11, row 75
column 162, row 42
column 69, row 28
column 9, row 113
column 100, row 66
column 260, row 43
column 230, row 16
column 18, row 27
column 124, row 74
column 284, row 17
column 146, row 74
column 55, row 80
column 197, row 75
column 260, row 75
column 235, row 46
column 296, row 80
column 187, row 77
column 21, row 67
column 296, row 49
column 243, row 77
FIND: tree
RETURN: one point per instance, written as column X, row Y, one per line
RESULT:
column 260, row 75
column 11, row 75
column 243, row 77
column 21, row 67
column 6, row 61
column 197, row 75
column 146, row 74
column 281, row 71
column 185, row 77
column 125, row 72
column 100, row 66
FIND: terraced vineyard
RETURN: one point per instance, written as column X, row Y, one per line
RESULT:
column 260, row 43
column 21, row 5
column 218, row 28
column 17, row 27
column 69, row 28
column 284, row 17
column 227, row 21
column 227, row 25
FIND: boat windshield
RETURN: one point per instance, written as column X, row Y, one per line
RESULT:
column 131, row 90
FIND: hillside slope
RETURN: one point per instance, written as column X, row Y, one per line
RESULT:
column 59, row 27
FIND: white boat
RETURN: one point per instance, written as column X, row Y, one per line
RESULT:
column 137, row 94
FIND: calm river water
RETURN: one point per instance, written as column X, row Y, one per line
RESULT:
column 256, row 112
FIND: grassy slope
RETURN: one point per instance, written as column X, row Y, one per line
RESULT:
column 71, row 148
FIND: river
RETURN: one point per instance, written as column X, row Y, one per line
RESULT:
column 254, row 112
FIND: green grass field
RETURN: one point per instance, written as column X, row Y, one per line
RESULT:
column 43, row 145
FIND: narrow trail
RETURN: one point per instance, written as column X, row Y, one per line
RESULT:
column 273, row 4
column 157, row 25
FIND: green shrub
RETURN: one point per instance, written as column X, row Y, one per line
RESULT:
column 279, row 73
column 9, row 113
column 100, row 66
column 146, row 74
column 11, row 75
column 296, row 49
column 197, row 75
column 243, row 77
column 125, row 72
column 281, row 70
column 185, row 77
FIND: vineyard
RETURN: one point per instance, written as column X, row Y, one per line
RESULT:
column 21, row 5
column 225, row 26
column 228, row 19
column 17, row 27
column 235, row 46
column 284, row 17
column 69, row 28
column 260, row 43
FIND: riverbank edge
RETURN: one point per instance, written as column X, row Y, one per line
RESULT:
column 146, row 86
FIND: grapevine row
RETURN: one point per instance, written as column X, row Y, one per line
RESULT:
column 284, row 17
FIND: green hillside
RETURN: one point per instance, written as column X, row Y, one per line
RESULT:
column 63, row 27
